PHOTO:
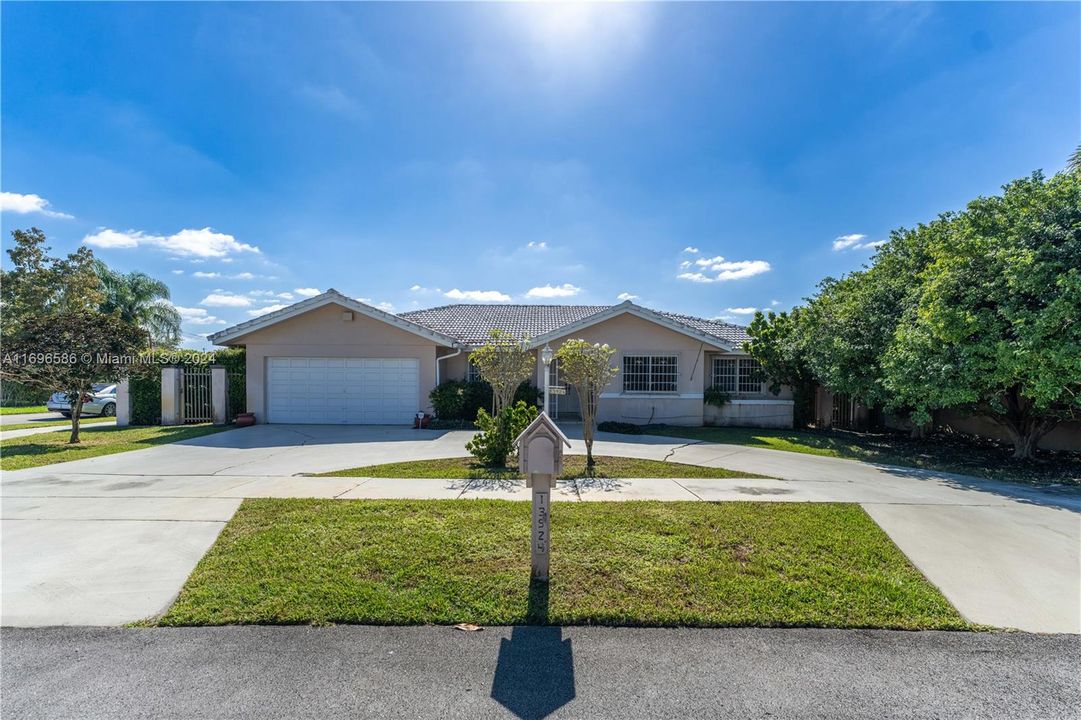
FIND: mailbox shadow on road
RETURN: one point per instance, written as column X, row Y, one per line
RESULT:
column 534, row 675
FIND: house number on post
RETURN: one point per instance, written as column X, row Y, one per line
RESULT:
column 540, row 456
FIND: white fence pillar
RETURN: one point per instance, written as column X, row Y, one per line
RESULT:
column 172, row 402
column 123, row 404
column 219, row 395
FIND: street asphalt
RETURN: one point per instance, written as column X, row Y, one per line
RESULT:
column 533, row 672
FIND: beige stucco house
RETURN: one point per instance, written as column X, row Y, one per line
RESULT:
column 333, row 359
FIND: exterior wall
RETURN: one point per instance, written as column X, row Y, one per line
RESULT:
column 1065, row 436
column 632, row 335
column 323, row 333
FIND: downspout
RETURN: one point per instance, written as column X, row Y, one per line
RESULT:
column 444, row 357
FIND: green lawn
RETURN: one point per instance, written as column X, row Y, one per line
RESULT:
column 52, row 423
column 574, row 466
column 619, row 563
column 943, row 452
column 15, row 410
column 48, row 448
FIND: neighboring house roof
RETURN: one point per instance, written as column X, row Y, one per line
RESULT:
column 331, row 296
column 470, row 325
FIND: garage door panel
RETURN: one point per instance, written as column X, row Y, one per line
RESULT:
column 342, row 390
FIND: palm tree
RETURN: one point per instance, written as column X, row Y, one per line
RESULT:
column 1074, row 163
column 142, row 300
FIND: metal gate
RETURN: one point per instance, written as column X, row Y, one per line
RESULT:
column 842, row 415
column 195, row 389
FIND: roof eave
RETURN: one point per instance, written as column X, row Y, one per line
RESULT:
column 640, row 312
column 228, row 336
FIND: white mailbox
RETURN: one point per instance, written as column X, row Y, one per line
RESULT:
column 540, row 449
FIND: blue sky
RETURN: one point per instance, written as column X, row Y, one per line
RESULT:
column 705, row 159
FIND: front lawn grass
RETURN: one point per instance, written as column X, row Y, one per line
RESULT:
column 574, row 466
column 23, row 410
column 619, row 563
column 52, row 423
column 48, row 448
column 968, row 456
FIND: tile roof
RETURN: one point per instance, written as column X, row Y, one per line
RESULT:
column 471, row 323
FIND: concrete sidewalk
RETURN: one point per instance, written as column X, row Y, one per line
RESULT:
column 8, row 434
column 533, row 672
column 112, row 539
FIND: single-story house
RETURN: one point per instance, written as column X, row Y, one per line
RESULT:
column 333, row 359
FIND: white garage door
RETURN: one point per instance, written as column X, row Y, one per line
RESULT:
column 345, row 391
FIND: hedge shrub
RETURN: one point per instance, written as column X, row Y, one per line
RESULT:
column 461, row 400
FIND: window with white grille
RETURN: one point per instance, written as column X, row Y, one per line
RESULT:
column 750, row 376
column 737, row 375
column 725, row 374
column 650, row 373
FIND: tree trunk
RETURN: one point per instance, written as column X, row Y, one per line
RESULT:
column 1024, row 430
column 76, row 412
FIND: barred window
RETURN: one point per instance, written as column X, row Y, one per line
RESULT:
column 742, row 375
column 750, row 376
column 725, row 373
column 650, row 373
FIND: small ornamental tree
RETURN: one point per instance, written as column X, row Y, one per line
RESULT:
column 503, row 362
column 588, row 368
column 55, row 336
column 69, row 352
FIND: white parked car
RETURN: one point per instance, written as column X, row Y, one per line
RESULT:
column 102, row 402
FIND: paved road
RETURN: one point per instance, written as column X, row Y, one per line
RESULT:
column 110, row 540
column 532, row 672
column 30, row 417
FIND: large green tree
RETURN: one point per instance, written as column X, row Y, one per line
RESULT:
column 55, row 335
column 142, row 300
column 996, row 325
column 779, row 342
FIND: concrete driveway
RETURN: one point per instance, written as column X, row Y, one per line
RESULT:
column 111, row 539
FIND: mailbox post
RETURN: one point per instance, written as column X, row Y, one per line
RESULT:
column 540, row 456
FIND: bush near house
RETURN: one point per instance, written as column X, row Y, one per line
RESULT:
column 460, row 400
column 495, row 442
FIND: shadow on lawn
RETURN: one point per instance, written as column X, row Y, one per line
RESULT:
column 534, row 674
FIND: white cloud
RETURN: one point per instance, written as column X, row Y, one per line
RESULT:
column 416, row 288
column 717, row 269
column 25, row 204
column 542, row 245
column 178, row 272
column 691, row 250
column 477, row 295
column 264, row 310
column 553, row 291
column 855, row 242
column 774, row 303
column 224, row 299
column 243, row 276
column 201, row 274
column 285, row 295
column 306, row 292
column 197, row 316
column 624, row 296
column 204, row 243
column 741, row 310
